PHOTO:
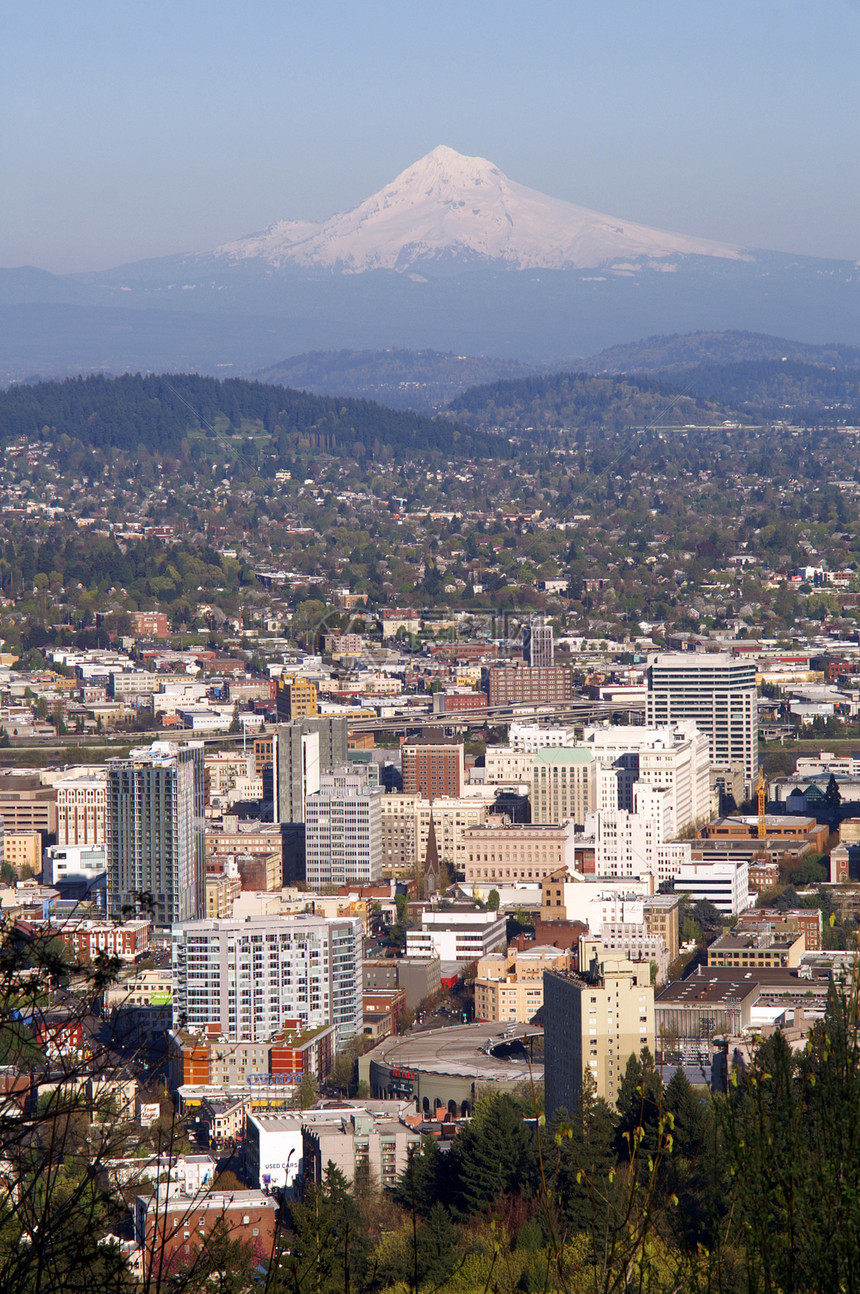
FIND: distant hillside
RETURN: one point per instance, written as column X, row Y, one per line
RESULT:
column 779, row 389
column 424, row 380
column 158, row 412
column 688, row 350
column 581, row 402
column 763, row 377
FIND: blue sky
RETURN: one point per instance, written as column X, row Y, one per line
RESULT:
column 133, row 130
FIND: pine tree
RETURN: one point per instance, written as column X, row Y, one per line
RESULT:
column 493, row 1157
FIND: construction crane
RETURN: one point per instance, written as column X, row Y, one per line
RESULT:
column 761, row 792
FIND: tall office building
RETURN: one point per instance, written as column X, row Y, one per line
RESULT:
column 243, row 979
column 596, row 1023
column 343, row 829
column 296, row 698
column 156, row 834
column 538, row 647
column 433, row 767
column 564, row 784
column 303, row 750
column 717, row 692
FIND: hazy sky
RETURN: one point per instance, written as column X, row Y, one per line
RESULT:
column 141, row 129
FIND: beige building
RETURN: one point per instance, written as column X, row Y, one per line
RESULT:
column 27, row 805
column 517, row 851
column 221, row 893
column 81, row 810
column 252, row 838
column 509, row 986
column 361, row 1140
column 758, row 949
column 23, row 849
column 660, row 912
column 503, row 765
column 406, row 827
column 595, row 1023
column 563, row 784
column 223, row 770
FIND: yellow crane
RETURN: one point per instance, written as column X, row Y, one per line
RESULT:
column 761, row 792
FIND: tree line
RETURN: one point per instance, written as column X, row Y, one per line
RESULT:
column 157, row 412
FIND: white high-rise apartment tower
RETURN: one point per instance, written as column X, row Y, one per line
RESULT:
column 343, row 829
column 717, row 692
column 245, row 978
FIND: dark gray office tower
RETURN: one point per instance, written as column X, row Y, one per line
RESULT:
column 155, row 834
column 304, row 748
column 562, row 1018
column 538, row 646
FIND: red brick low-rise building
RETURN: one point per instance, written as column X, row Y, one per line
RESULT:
column 794, row 920
column 171, row 1226
column 149, row 624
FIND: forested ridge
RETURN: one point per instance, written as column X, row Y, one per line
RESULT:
column 778, row 389
column 582, row 402
column 676, row 352
column 157, row 412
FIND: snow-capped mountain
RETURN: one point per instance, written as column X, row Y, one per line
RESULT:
column 451, row 256
column 447, row 206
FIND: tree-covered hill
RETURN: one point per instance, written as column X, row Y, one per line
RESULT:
column 403, row 379
column 682, row 351
column 581, row 402
column 779, row 388
column 157, row 413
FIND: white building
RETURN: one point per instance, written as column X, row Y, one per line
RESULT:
column 674, row 758
column 343, row 830
column 81, row 805
column 531, row 737
column 454, row 936
column 725, row 884
column 564, row 784
column 247, row 977
column 274, row 1142
column 635, row 843
column 716, row 692
column 77, row 865
column 504, row 764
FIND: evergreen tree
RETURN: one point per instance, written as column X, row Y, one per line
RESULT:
column 492, row 1157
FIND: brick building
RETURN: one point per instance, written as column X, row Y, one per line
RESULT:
column 433, row 767
column 515, row 684
column 170, row 1225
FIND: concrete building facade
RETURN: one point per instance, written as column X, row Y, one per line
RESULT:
column 155, row 834
column 343, row 830
column 716, row 692
column 245, row 978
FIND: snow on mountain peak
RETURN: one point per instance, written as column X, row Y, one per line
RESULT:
column 452, row 206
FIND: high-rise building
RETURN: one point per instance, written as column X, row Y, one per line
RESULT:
column 296, row 698
column 676, row 759
column 303, row 750
column 538, row 647
column 715, row 691
column 343, row 829
column 595, row 1023
column 155, row 834
column 564, row 784
column 244, row 979
column 433, row 767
